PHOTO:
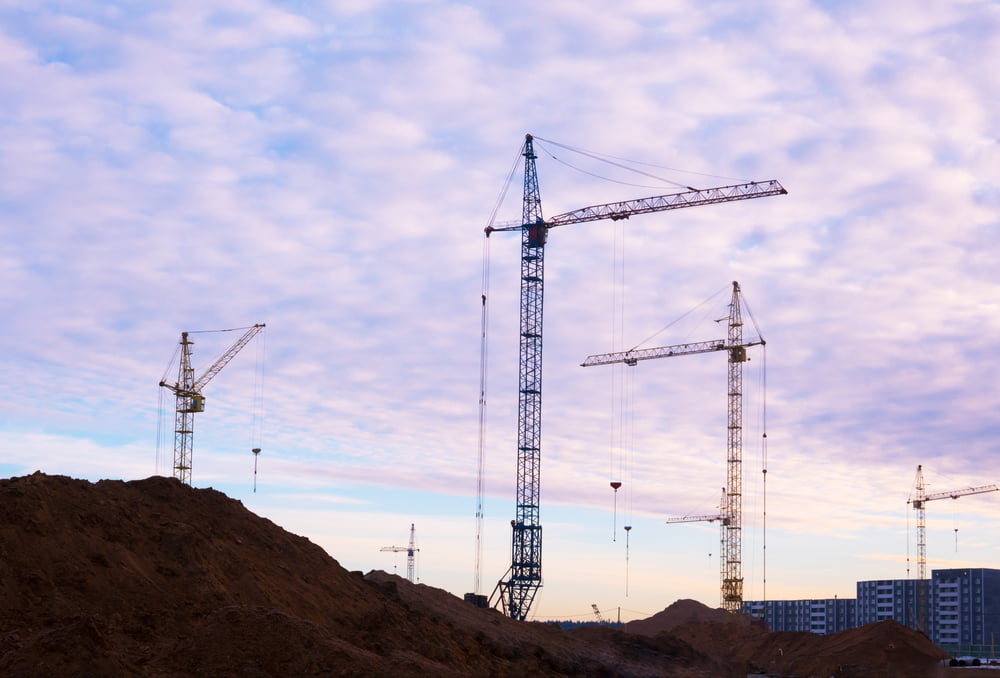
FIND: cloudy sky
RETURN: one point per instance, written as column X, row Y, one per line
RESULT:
column 327, row 168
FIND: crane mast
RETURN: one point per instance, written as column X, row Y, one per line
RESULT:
column 516, row 592
column 189, row 399
column 732, row 531
column 919, row 502
column 731, row 508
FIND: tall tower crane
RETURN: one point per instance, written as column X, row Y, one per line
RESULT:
column 919, row 502
column 524, row 576
column 189, row 398
column 731, row 574
column 411, row 551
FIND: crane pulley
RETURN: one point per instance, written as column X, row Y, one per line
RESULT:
column 190, row 400
column 516, row 591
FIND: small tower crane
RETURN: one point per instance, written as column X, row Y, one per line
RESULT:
column 411, row 551
column 597, row 614
column 516, row 591
column 919, row 501
column 189, row 398
column 731, row 509
column 704, row 518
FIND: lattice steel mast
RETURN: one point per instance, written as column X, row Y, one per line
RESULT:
column 731, row 508
column 524, row 576
column 411, row 552
column 190, row 401
column 919, row 502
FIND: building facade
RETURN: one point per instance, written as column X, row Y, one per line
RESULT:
column 965, row 607
column 816, row 616
column 883, row 599
column 962, row 615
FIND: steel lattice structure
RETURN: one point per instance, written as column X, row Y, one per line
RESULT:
column 519, row 590
column 524, row 577
column 731, row 507
column 189, row 399
column 732, row 529
column 919, row 502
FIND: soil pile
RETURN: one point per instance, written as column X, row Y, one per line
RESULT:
column 681, row 612
column 885, row 649
column 156, row 579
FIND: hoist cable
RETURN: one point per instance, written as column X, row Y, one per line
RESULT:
column 678, row 319
column 483, row 374
column 170, row 364
column 604, row 157
column 609, row 179
column 228, row 329
column 752, row 318
column 763, row 467
column 506, row 187
column 257, row 426
column 483, row 371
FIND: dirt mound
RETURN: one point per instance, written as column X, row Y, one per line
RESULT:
column 885, row 649
column 680, row 612
column 153, row 578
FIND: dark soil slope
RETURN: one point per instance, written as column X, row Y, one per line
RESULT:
column 155, row 578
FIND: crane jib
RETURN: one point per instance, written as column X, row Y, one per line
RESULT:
column 623, row 210
column 617, row 211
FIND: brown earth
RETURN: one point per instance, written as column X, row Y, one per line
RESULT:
column 153, row 578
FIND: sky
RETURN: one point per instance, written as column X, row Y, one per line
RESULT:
column 328, row 168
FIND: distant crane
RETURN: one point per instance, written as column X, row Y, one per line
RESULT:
column 189, row 398
column 710, row 518
column 704, row 518
column 411, row 551
column 919, row 502
column 524, row 576
column 597, row 614
column 731, row 509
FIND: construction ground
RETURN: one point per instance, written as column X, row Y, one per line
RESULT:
column 155, row 578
